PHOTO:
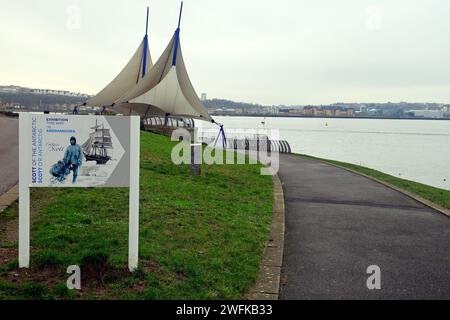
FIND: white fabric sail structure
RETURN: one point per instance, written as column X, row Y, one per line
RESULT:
column 136, row 69
column 162, row 89
column 126, row 79
column 167, row 86
column 138, row 109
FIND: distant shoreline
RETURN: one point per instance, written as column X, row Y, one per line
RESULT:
column 323, row 117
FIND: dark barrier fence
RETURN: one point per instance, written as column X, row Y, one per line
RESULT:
column 166, row 125
column 259, row 144
column 256, row 143
column 169, row 122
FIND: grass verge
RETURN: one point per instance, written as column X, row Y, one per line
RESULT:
column 200, row 237
column 438, row 196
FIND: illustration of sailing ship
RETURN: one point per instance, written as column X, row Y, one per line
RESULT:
column 97, row 146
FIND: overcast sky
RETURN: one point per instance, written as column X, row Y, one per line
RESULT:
column 261, row 51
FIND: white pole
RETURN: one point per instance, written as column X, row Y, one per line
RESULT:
column 133, row 241
column 24, row 190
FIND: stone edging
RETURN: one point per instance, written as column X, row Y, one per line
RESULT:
column 426, row 202
column 267, row 287
column 9, row 197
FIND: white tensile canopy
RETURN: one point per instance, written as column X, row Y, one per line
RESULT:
column 139, row 65
column 133, row 73
column 138, row 109
column 161, row 89
column 168, row 86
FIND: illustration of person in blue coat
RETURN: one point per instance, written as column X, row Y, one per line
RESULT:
column 73, row 158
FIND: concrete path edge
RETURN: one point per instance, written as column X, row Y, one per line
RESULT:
column 426, row 202
column 9, row 198
column 267, row 286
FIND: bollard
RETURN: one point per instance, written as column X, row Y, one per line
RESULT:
column 196, row 159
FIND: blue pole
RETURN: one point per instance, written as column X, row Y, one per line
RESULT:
column 224, row 138
column 177, row 37
column 144, row 62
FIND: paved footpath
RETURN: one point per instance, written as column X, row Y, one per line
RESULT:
column 9, row 153
column 338, row 223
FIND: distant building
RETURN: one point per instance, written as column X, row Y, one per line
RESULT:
column 9, row 89
column 345, row 113
column 204, row 97
column 58, row 93
column 273, row 110
column 435, row 114
column 38, row 91
column 322, row 111
column 446, row 109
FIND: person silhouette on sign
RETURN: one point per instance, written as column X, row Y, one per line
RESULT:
column 73, row 158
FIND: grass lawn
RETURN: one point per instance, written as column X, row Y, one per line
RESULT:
column 200, row 237
column 435, row 195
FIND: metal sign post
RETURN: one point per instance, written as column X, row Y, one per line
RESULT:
column 133, row 238
column 24, row 190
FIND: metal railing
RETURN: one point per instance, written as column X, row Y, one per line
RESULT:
column 254, row 143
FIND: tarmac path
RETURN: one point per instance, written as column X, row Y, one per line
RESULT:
column 339, row 223
column 9, row 153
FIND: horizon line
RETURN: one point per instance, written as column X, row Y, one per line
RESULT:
column 254, row 103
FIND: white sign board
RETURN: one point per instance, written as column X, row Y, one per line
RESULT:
column 78, row 151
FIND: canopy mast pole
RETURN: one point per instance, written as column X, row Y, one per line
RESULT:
column 177, row 40
column 144, row 62
column 181, row 12
column 146, row 25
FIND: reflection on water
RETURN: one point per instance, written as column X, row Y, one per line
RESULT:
column 417, row 150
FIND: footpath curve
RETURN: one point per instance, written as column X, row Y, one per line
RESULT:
column 339, row 223
column 9, row 160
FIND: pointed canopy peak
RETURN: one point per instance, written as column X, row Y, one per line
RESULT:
column 133, row 73
column 139, row 65
column 168, row 87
